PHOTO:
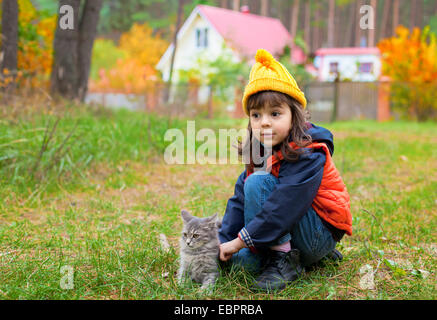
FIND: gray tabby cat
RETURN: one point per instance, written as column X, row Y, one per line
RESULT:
column 199, row 250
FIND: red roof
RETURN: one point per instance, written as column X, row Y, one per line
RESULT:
column 347, row 51
column 247, row 32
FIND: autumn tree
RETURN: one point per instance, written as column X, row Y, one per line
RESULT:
column 72, row 47
column 410, row 61
column 134, row 69
column 33, row 47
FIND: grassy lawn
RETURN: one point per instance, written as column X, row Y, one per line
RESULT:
column 98, row 196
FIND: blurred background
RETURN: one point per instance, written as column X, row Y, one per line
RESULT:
column 358, row 59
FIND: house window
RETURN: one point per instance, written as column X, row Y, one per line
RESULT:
column 333, row 67
column 365, row 67
column 202, row 38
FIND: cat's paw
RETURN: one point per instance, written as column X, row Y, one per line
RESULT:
column 208, row 289
column 208, row 286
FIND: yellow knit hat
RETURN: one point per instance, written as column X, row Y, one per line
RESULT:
column 269, row 74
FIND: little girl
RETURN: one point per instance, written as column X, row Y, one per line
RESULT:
column 293, row 211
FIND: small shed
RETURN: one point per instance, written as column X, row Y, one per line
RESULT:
column 354, row 64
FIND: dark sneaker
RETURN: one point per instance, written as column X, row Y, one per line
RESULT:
column 281, row 269
column 333, row 256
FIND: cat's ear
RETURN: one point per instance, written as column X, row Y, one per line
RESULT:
column 213, row 221
column 213, row 217
column 186, row 216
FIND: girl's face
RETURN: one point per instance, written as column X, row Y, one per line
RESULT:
column 271, row 124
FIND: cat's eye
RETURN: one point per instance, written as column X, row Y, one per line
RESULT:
column 195, row 236
column 185, row 234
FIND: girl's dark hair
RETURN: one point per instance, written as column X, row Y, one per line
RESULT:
column 297, row 131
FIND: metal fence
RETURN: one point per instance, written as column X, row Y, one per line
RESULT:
column 327, row 101
column 330, row 101
column 177, row 100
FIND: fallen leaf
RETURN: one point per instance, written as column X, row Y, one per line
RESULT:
column 164, row 243
column 367, row 281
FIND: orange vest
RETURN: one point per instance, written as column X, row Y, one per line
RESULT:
column 332, row 202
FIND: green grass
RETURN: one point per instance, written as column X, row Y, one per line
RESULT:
column 100, row 203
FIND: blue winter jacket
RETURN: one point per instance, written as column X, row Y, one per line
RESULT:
column 289, row 201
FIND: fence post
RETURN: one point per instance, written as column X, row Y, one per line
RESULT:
column 335, row 106
column 383, row 111
column 210, row 106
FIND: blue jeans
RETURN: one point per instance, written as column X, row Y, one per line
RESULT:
column 309, row 235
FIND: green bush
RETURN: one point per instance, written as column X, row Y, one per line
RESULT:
column 105, row 56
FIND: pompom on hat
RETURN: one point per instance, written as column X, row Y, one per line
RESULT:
column 269, row 74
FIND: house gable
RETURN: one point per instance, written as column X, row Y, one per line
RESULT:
column 241, row 34
column 187, row 51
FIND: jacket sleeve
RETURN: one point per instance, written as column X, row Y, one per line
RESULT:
column 233, row 219
column 288, row 202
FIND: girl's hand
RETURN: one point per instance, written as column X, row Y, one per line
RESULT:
column 227, row 249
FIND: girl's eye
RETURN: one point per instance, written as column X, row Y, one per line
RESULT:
column 275, row 113
column 255, row 115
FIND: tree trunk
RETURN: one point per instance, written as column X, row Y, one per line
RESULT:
column 331, row 25
column 316, row 28
column 236, row 5
column 224, row 4
column 8, row 54
column 281, row 8
column 383, row 31
column 419, row 15
column 65, row 71
column 265, row 8
column 359, row 3
column 307, row 26
column 395, row 15
column 175, row 42
column 413, row 8
column 72, row 50
column 349, row 36
column 294, row 18
column 88, row 31
column 338, row 28
column 371, row 34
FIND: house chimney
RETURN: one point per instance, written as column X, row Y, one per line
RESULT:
column 245, row 9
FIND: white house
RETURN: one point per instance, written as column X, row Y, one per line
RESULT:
column 355, row 64
column 211, row 31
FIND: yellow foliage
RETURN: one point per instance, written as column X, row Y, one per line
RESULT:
column 410, row 61
column 35, row 46
column 410, row 57
column 136, row 72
